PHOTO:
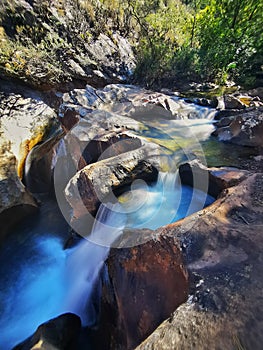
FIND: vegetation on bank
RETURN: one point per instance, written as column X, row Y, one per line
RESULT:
column 189, row 40
column 202, row 40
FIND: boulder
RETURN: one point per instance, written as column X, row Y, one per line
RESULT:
column 59, row 333
column 144, row 285
column 96, row 182
column 24, row 123
column 222, row 247
column 97, row 136
column 243, row 128
column 210, row 180
column 232, row 102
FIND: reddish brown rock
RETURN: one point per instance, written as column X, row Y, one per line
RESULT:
column 69, row 119
column 145, row 284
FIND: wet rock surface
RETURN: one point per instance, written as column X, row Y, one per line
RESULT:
column 220, row 245
column 96, row 182
column 210, row 180
column 208, row 257
column 131, row 101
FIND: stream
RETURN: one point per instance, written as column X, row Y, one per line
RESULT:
column 39, row 280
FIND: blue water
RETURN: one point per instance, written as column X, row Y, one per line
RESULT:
column 39, row 280
column 28, row 294
column 167, row 201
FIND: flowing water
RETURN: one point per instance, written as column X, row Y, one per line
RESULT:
column 40, row 280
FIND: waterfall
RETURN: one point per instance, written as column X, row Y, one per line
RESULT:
column 151, row 206
column 44, row 280
column 166, row 201
column 86, row 260
column 187, row 110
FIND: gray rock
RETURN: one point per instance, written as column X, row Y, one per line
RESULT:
column 244, row 129
column 132, row 101
column 257, row 92
column 96, row 183
column 232, row 102
column 79, row 52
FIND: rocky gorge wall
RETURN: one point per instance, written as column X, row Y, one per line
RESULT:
column 58, row 44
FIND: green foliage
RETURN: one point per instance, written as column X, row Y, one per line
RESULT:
column 202, row 40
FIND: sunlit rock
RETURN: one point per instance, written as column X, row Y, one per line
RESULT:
column 91, row 185
column 24, row 123
column 232, row 102
column 244, row 129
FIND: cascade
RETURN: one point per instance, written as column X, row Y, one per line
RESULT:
column 44, row 280
column 39, row 280
column 162, row 203
column 86, row 260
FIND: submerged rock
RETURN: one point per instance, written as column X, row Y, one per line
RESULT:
column 59, row 333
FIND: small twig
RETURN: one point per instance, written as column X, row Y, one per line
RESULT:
column 242, row 218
